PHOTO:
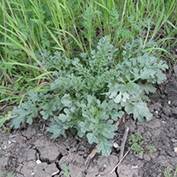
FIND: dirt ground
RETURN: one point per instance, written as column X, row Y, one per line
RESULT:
column 30, row 153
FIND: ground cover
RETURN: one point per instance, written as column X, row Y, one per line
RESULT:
column 100, row 73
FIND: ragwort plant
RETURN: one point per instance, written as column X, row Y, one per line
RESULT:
column 90, row 93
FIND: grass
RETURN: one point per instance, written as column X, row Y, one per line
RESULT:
column 29, row 28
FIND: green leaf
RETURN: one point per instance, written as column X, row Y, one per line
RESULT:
column 66, row 100
column 56, row 130
column 24, row 113
column 116, row 114
column 139, row 110
column 105, row 147
column 91, row 138
column 118, row 98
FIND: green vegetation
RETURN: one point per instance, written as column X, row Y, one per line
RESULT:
column 170, row 173
column 78, row 64
column 65, row 171
column 136, row 143
column 91, row 92
column 6, row 174
column 151, row 149
column 31, row 29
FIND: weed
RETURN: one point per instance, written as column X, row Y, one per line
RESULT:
column 90, row 93
column 136, row 142
column 151, row 148
column 170, row 173
column 65, row 171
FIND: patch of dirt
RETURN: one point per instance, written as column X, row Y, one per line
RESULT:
column 30, row 153
column 159, row 136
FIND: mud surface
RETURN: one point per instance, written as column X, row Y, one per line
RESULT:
column 30, row 153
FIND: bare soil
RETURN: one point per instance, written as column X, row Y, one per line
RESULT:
column 30, row 153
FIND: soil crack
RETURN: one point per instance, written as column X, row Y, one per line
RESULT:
column 48, row 161
column 116, row 172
